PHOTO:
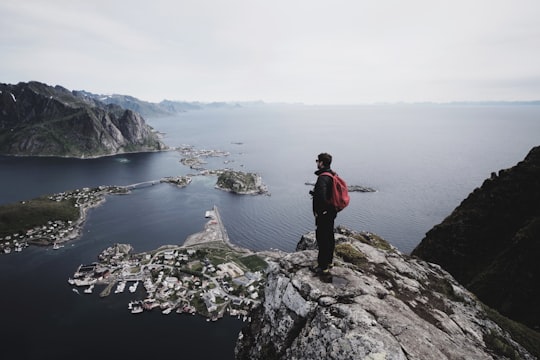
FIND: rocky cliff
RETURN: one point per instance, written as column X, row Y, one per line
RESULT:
column 491, row 241
column 37, row 119
column 377, row 304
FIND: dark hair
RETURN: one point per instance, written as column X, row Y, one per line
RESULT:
column 325, row 158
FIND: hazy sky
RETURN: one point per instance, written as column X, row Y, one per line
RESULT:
column 316, row 52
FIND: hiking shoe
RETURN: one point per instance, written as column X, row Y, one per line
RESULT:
column 320, row 271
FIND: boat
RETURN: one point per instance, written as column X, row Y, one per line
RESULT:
column 57, row 246
column 133, row 287
column 76, row 291
column 136, row 306
column 167, row 310
column 89, row 289
column 120, row 287
column 137, row 310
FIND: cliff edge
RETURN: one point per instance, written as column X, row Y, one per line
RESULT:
column 491, row 241
column 377, row 304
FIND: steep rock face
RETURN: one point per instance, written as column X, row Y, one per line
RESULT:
column 491, row 241
column 378, row 304
column 37, row 119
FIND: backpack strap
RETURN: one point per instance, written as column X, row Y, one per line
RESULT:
column 329, row 174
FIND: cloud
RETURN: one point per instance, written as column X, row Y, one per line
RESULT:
column 311, row 51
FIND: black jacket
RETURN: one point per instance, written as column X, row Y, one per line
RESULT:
column 322, row 193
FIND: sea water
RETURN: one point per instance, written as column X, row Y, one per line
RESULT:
column 422, row 161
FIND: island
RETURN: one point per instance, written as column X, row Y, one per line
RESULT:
column 180, row 181
column 241, row 183
column 194, row 158
column 207, row 275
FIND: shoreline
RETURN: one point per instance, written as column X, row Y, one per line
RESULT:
column 89, row 157
column 211, row 276
column 79, row 224
column 57, row 232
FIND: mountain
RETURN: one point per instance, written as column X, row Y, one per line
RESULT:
column 38, row 119
column 145, row 108
column 491, row 241
column 377, row 304
column 149, row 109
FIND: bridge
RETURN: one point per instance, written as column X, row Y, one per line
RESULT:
column 142, row 184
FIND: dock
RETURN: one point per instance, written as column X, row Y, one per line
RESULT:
column 214, row 230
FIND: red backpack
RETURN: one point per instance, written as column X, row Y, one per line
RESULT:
column 340, row 194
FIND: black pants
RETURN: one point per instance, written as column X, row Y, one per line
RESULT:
column 325, row 239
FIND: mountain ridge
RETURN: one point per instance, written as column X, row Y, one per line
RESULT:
column 40, row 120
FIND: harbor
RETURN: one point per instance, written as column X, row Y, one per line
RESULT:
column 206, row 275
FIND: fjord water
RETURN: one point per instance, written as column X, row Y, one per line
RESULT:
column 423, row 160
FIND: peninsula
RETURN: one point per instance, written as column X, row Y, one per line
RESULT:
column 206, row 275
column 49, row 220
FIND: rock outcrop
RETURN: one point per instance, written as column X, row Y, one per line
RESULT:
column 240, row 182
column 491, row 241
column 377, row 304
column 37, row 119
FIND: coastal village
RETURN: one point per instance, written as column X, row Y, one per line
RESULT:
column 55, row 232
column 206, row 275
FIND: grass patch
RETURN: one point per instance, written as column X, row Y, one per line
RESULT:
column 218, row 256
column 443, row 286
column 524, row 335
column 199, row 305
column 350, row 254
column 253, row 262
column 500, row 346
column 374, row 240
column 20, row 217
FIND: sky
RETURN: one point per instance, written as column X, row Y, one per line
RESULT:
column 313, row 52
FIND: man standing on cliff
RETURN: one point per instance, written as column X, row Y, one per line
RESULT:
column 325, row 213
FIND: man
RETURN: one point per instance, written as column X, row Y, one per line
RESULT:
column 325, row 213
